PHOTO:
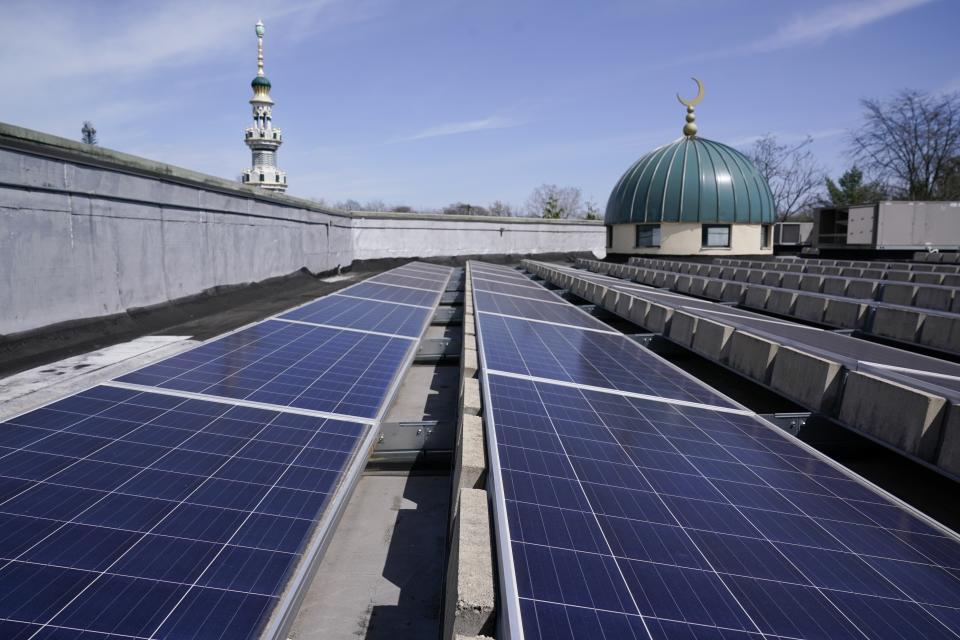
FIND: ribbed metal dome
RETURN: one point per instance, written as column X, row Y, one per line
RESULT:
column 691, row 180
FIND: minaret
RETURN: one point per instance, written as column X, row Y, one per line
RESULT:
column 263, row 138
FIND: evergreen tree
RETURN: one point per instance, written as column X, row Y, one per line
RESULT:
column 89, row 133
column 551, row 208
column 850, row 189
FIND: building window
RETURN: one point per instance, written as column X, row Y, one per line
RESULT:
column 261, row 177
column 648, row 235
column 609, row 236
column 715, row 235
column 765, row 236
column 278, row 178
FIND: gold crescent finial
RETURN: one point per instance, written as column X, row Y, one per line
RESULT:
column 690, row 128
column 695, row 101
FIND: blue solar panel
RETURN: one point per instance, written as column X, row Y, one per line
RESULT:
column 394, row 278
column 388, row 293
column 415, row 271
column 130, row 514
column 536, row 310
column 369, row 315
column 287, row 364
column 639, row 518
column 584, row 357
column 529, row 290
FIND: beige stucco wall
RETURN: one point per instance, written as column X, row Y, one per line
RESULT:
column 683, row 239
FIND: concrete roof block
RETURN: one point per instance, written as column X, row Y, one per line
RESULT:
column 469, row 364
column 864, row 289
column 781, row 301
column 812, row 283
column 471, row 404
column 710, row 339
column 755, row 276
column 791, row 280
column 751, row 355
column 900, row 324
column 847, row 314
column 835, row 286
column 471, row 455
column 899, row 275
column 932, row 277
column 934, row 298
column 810, row 308
column 808, row 380
column 772, row 278
column 638, row 312
column 697, row 285
column 682, row 327
column 658, row 317
column 941, row 332
column 756, row 297
column 898, row 293
column 610, row 299
column 714, row 289
column 683, row 284
column 733, row 292
column 948, row 457
column 470, row 599
column 624, row 303
column 904, row 417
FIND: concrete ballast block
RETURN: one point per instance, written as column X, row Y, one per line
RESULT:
column 469, row 607
column 657, row 317
column 810, row 307
column 900, row 324
column 751, row 355
column 807, row 379
column 847, row 314
column 948, row 457
column 941, row 332
column 711, row 338
column 682, row 327
column 471, row 402
column 904, row 417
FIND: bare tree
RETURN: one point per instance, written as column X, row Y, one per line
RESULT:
column 912, row 143
column 89, row 133
column 792, row 172
column 465, row 209
column 551, row 201
column 500, row 208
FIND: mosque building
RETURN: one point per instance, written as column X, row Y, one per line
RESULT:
column 263, row 138
column 691, row 197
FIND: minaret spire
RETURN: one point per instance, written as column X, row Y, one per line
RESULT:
column 263, row 138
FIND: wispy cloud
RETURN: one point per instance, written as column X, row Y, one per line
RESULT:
column 832, row 21
column 455, row 128
column 787, row 137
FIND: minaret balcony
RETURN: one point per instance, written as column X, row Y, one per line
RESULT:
column 256, row 133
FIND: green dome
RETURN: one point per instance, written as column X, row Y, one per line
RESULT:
column 691, row 180
column 260, row 81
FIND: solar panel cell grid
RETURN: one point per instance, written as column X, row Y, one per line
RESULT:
column 287, row 364
column 95, row 547
column 608, row 536
column 525, row 308
column 401, row 280
column 524, row 291
column 368, row 315
column 388, row 293
column 585, row 357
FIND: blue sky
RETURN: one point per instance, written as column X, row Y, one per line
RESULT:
column 427, row 102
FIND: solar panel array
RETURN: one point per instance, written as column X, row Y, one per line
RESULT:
column 176, row 501
column 630, row 504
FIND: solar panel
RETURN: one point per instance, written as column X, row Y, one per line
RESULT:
column 387, row 293
column 139, row 515
column 368, row 315
column 678, row 519
column 524, row 291
column 628, row 516
column 287, row 364
column 393, row 278
column 535, row 309
column 591, row 358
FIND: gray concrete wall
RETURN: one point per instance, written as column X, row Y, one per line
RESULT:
column 86, row 232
